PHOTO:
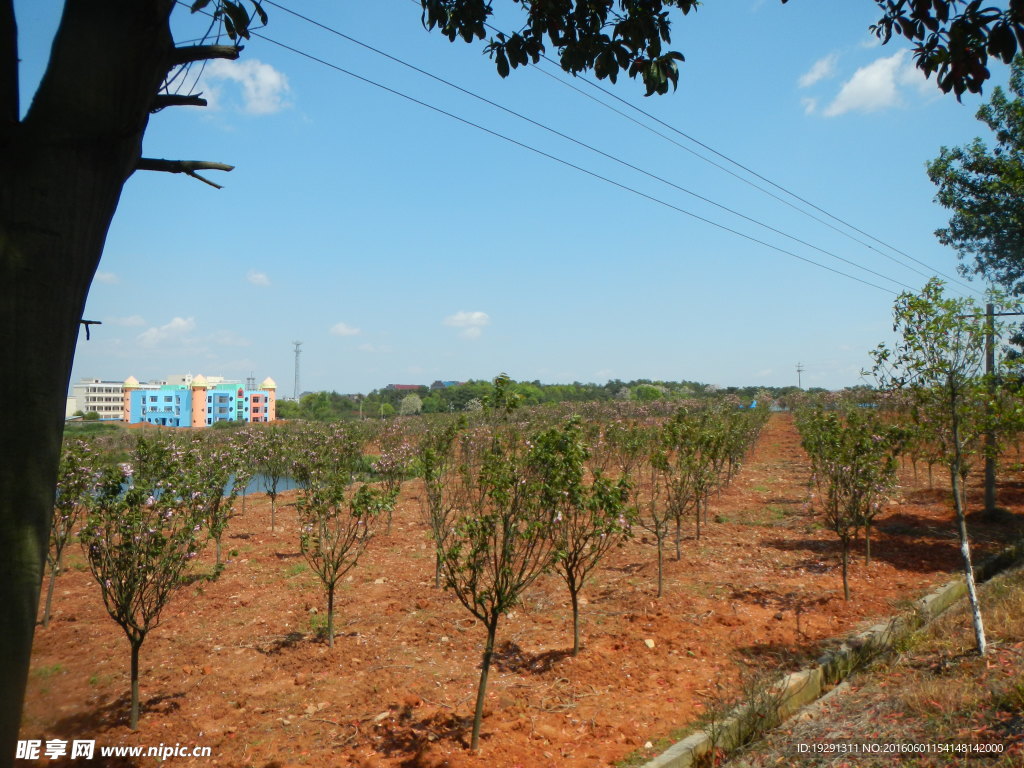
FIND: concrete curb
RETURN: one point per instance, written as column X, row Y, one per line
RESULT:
column 793, row 692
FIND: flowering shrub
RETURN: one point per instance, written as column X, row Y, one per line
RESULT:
column 138, row 539
column 499, row 538
column 588, row 518
column 337, row 514
column 853, row 467
column 76, row 480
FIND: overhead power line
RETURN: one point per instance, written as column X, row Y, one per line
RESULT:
column 566, row 163
column 559, row 160
column 589, row 147
column 752, row 172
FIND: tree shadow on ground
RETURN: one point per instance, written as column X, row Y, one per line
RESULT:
column 94, row 723
column 1010, row 493
column 922, row 556
column 937, row 494
column 405, row 733
column 509, row 657
column 277, row 644
column 630, row 568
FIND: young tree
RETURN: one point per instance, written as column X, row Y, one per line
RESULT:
column 75, row 482
column 589, row 518
column 274, row 463
column 337, row 522
column 649, row 500
column 64, row 164
column 853, row 464
column 207, row 470
column 435, row 454
column 138, row 538
column 938, row 361
column 499, row 541
column 243, row 466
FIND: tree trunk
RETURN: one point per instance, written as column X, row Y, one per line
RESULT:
column 62, row 169
column 661, row 560
column 481, row 692
column 330, row 616
column 965, row 551
column 133, row 720
column 574, row 597
column 49, row 596
column 846, row 564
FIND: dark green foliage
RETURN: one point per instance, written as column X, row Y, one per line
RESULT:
column 982, row 187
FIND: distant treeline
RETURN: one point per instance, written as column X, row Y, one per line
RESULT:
column 329, row 406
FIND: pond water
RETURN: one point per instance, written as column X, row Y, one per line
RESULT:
column 258, row 485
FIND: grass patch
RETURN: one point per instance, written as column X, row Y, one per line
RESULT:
column 44, row 673
column 295, row 570
column 770, row 515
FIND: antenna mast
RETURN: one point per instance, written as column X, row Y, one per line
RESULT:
column 298, row 351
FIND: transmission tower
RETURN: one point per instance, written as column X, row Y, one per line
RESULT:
column 298, row 351
column 799, row 370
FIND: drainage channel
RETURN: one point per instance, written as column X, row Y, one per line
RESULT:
column 795, row 691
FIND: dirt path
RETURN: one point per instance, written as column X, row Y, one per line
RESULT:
column 236, row 665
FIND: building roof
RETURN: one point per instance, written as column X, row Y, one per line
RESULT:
column 268, row 383
column 131, row 381
column 199, row 381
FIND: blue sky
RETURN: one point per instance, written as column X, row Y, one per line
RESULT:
column 402, row 246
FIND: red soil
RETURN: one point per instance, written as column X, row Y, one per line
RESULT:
column 236, row 666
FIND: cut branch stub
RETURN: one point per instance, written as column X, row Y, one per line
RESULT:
column 162, row 100
column 190, row 53
column 188, row 167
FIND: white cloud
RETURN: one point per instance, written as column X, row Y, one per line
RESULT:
column 133, row 321
column 877, row 86
column 810, row 105
column 257, row 278
column 821, row 69
column 912, row 77
column 264, row 89
column 171, row 333
column 344, row 329
column 471, row 323
column 107, row 278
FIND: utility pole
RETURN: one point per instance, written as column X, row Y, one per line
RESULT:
column 799, row 370
column 298, row 351
column 991, row 446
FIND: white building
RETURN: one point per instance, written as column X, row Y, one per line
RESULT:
column 97, row 396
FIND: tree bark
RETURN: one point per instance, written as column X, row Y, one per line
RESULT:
column 330, row 616
column 49, row 596
column 961, row 525
column 133, row 719
column 481, row 691
column 575, row 598
column 62, row 169
column 846, row 570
